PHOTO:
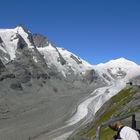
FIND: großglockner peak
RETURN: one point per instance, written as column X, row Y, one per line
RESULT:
column 13, row 39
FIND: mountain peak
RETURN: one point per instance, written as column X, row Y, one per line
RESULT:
column 21, row 28
column 119, row 63
column 11, row 38
column 15, row 29
column 122, row 61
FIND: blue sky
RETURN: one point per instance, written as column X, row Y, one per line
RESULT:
column 96, row 30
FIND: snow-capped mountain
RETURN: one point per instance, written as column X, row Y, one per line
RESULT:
column 18, row 41
column 118, row 69
column 39, row 81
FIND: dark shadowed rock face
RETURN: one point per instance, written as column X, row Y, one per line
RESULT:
column 92, row 76
column 1, row 41
column 40, row 40
column 135, row 81
column 4, row 73
column 78, row 61
column 2, row 67
column 60, row 59
column 26, row 69
column 120, row 73
column 21, row 43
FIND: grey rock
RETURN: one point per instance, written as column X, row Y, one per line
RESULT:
column 1, row 41
column 106, row 76
column 40, row 40
column 21, row 43
column 61, row 59
column 2, row 67
column 120, row 74
column 16, row 86
column 135, row 80
column 78, row 61
column 4, row 56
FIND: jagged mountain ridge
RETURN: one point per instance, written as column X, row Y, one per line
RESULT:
column 35, row 75
column 18, row 41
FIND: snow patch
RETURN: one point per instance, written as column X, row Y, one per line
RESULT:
column 35, row 59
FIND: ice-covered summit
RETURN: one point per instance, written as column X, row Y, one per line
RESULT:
column 120, row 62
column 118, row 69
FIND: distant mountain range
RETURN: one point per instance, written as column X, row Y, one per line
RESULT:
column 41, row 85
